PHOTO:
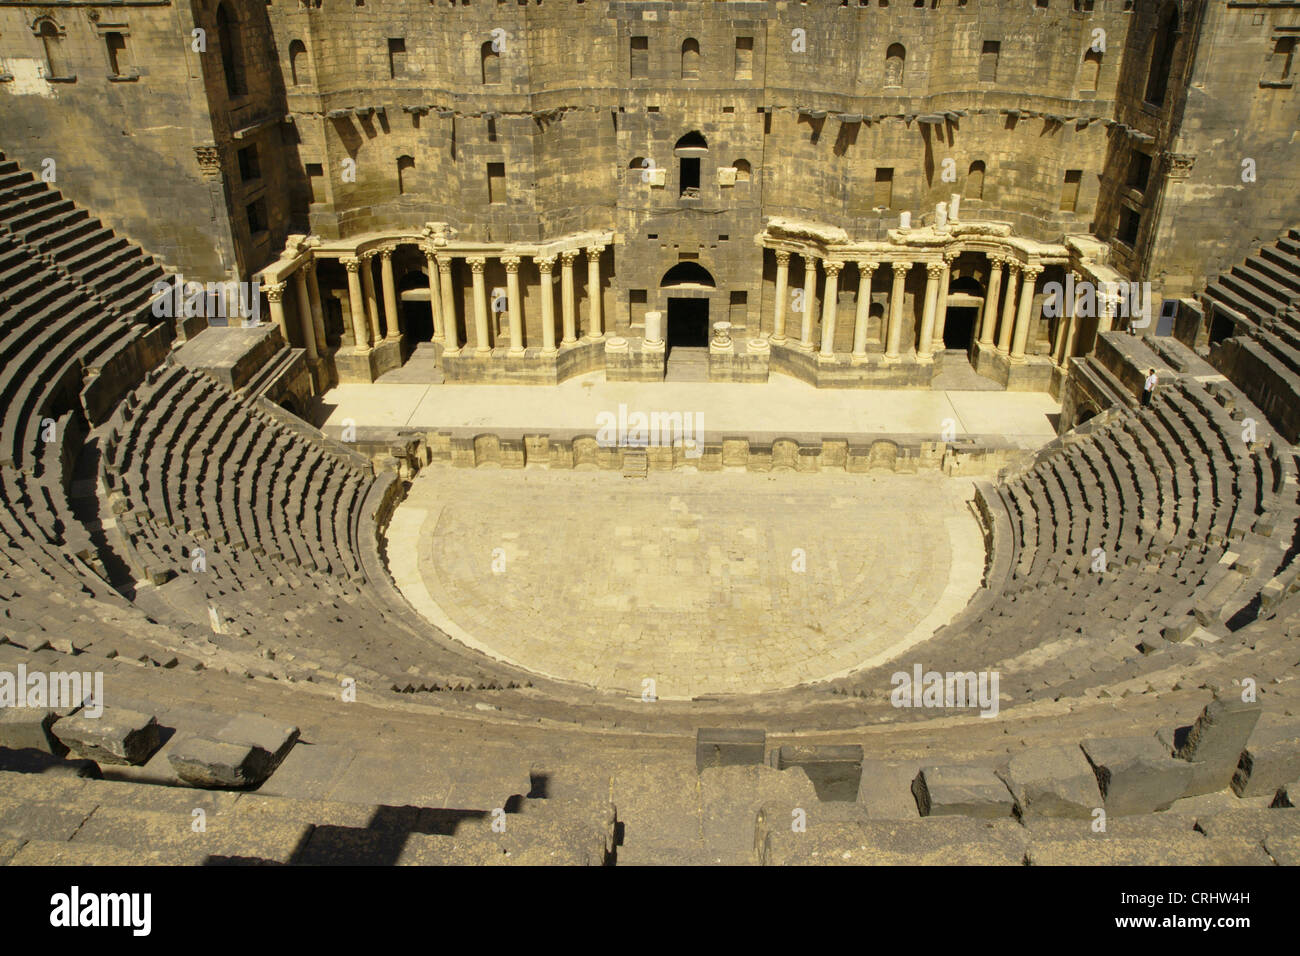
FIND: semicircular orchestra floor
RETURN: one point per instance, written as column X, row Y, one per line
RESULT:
column 704, row 583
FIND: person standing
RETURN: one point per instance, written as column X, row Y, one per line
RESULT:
column 1149, row 387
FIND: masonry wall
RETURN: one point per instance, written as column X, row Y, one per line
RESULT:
column 122, row 146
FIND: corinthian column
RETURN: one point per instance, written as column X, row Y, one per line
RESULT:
column 546, row 266
column 830, row 302
column 924, row 351
column 863, row 316
column 512, row 305
column 392, row 319
column 357, row 304
column 313, row 300
column 275, row 296
column 566, row 297
column 435, row 295
column 481, row 344
column 304, row 312
column 593, row 290
column 449, row 329
column 368, row 289
column 1023, row 317
column 895, row 332
column 1008, row 308
column 941, row 305
column 782, row 291
column 809, row 302
column 989, row 316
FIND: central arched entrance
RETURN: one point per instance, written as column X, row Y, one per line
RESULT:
column 687, row 288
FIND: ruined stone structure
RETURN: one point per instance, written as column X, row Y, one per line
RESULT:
column 521, row 198
column 932, row 646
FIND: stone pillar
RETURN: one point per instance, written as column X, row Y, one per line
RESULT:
column 451, row 335
column 593, row 290
column 924, row 350
column 566, row 297
column 1023, row 317
column 368, row 290
column 809, row 302
column 863, row 317
column 1065, row 322
column 1008, row 307
column 481, row 344
column 830, row 302
column 989, row 316
column 654, row 329
column 392, row 317
column 435, row 295
column 941, row 307
column 356, row 304
column 317, row 314
column 1106, row 316
column 782, row 293
column 895, row 332
column 546, row 266
column 304, row 313
column 275, row 296
column 513, row 305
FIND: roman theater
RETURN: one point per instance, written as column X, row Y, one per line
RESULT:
column 483, row 432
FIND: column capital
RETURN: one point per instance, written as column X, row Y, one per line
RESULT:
column 274, row 291
column 1013, row 265
column 545, row 263
column 511, row 263
column 782, row 257
column 868, row 265
column 832, row 267
column 351, row 263
column 1032, row 271
column 386, row 254
column 444, row 265
column 476, row 264
column 934, row 270
column 568, row 255
column 593, row 252
column 901, row 268
column 367, row 255
column 949, row 258
column 997, row 259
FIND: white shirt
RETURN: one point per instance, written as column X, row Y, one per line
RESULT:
column 1151, row 382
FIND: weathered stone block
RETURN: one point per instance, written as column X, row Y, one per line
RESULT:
column 884, row 790
column 117, row 736
column 203, row 762
column 1215, row 742
column 28, row 728
column 1136, row 774
column 1054, row 782
column 725, row 747
column 964, row 791
column 1270, row 760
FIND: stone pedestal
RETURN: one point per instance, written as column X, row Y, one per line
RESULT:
column 634, row 360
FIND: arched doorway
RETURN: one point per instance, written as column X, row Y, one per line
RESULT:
column 965, row 298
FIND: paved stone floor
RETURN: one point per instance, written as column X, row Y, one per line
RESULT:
column 705, row 583
column 781, row 407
